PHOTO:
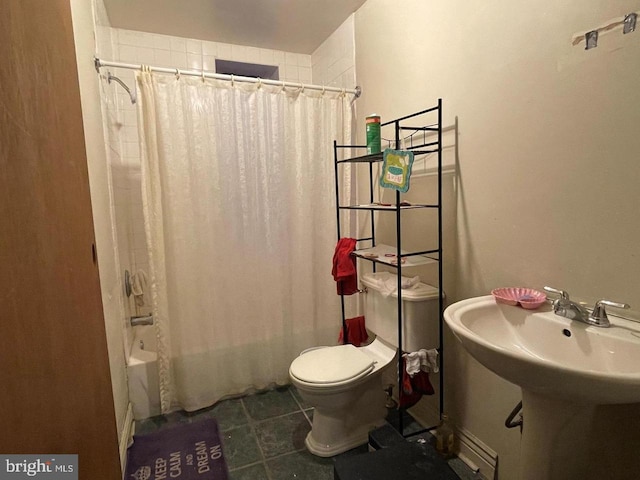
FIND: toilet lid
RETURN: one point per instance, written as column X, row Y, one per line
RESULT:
column 331, row 364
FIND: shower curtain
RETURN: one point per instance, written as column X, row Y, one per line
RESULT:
column 239, row 203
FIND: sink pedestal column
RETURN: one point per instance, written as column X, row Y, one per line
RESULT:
column 562, row 440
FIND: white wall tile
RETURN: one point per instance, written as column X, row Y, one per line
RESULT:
column 194, row 61
column 278, row 57
column 162, row 58
column 238, row 53
column 178, row 44
column 291, row 73
column 253, row 55
column 209, row 63
column 178, row 59
column 304, row 60
column 291, row 59
column 224, row 51
column 209, row 48
column 194, row 46
column 134, row 38
column 304, row 74
column 266, row 56
column 128, row 53
column 145, row 55
column 162, row 42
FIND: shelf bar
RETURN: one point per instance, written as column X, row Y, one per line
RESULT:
column 430, row 144
column 372, row 157
column 424, row 152
column 397, row 120
column 440, row 266
column 364, row 239
column 351, row 146
column 383, row 208
column 345, row 334
column 399, row 290
column 423, row 129
column 425, row 252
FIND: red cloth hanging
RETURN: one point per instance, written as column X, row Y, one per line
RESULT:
column 344, row 267
column 356, row 331
column 414, row 387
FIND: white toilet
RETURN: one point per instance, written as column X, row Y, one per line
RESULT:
column 344, row 383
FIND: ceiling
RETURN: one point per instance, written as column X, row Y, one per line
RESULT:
column 298, row 26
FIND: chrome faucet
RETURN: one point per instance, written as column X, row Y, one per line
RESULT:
column 564, row 307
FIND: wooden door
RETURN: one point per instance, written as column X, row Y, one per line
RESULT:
column 55, row 387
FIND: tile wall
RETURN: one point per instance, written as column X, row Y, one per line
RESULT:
column 332, row 64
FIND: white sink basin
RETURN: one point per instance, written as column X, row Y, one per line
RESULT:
column 550, row 355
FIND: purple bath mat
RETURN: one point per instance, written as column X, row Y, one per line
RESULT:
column 185, row 452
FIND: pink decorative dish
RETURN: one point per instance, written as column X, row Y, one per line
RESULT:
column 525, row 297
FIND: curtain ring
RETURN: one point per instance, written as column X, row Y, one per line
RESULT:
column 177, row 74
column 323, row 89
column 301, row 87
column 203, row 75
column 259, row 83
column 232, row 80
column 344, row 92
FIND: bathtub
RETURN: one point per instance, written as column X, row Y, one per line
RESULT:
column 142, row 373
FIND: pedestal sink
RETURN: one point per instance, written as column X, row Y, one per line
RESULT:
column 578, row 386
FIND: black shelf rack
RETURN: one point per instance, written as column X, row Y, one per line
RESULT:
column 425, row 143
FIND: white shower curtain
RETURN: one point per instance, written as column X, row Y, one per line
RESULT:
column 239, row 201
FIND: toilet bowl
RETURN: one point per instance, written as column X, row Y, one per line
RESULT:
column 344, row 383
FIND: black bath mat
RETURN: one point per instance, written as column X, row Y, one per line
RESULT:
column 186, row 452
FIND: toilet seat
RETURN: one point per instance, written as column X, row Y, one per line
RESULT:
column 331, row 366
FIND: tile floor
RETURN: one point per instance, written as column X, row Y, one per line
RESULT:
column 263, row 436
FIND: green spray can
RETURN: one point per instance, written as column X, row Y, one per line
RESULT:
column 374, row 144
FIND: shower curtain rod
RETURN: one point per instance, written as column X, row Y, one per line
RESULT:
column 220, row 76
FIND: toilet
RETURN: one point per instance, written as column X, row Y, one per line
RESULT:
column 344, row 383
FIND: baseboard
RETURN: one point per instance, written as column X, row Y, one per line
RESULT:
column 476, row 454
column 425, row 412
column 126, row 437
column 472, row 451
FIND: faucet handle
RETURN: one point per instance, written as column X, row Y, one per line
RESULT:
column 599, row 314
column 564, row 296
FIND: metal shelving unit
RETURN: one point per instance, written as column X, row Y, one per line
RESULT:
column 426, row 144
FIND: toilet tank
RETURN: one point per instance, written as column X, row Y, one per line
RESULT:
column 419, row 311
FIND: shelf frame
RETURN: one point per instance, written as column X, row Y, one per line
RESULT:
column 431, row 255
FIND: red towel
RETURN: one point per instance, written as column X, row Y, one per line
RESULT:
column 356, row 332
column 414, row 387
column 344, row 267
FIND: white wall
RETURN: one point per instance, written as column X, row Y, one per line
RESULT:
column 101, row 200
column 546, row 153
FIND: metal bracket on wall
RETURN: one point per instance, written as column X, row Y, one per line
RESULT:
column 591, row 39
column 629, row 23
column 127, row 283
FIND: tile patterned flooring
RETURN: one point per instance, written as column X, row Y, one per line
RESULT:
column 263, row 436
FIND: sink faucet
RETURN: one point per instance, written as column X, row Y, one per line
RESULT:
column 564, row 307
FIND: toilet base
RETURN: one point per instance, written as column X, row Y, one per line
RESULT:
column 353, row 440
column 345, row 422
